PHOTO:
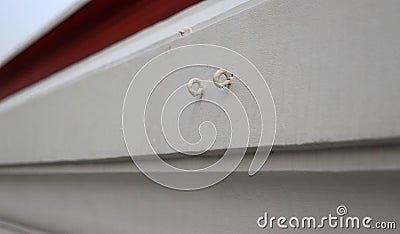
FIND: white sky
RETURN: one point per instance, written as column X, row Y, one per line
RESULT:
column 22, row 19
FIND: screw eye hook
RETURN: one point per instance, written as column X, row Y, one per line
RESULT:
column 185, row 30
column 217, row 78
column 193, row 91
column 217, row 81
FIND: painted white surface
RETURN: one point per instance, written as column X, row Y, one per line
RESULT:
column 113, row 197
column 340, row 160
column 130, row 203
column 332, row 66
column 7, row 227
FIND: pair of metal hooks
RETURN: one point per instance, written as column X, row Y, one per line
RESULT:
column 216, row 79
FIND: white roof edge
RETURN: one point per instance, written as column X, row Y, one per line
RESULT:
column 195, row 16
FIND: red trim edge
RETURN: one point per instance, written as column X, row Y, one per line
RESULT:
column 93, row 27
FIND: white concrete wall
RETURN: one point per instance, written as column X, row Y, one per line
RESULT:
column 332, row 67
column 110, row 197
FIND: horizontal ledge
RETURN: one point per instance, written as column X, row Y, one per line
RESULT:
column 342, row 159
column 368, row 143
column 8, row 226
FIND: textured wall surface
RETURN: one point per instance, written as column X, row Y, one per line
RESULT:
column 332, row 67
column 106, row 204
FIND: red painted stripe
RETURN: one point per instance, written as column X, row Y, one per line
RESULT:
column 93, row 27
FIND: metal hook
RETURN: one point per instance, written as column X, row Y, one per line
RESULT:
column 217, row 76
column 185, row 30
column 194, row 92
